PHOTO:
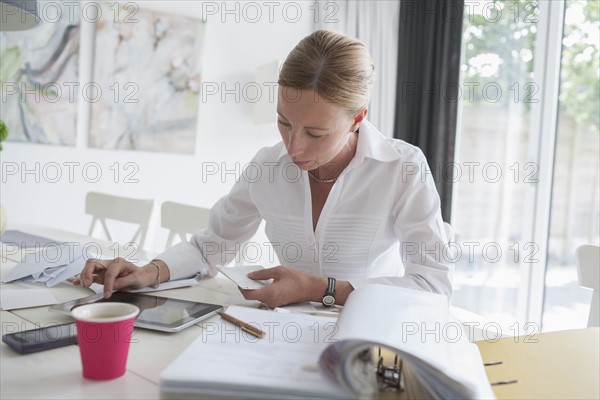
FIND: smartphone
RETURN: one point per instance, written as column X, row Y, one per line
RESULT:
column 49, row 337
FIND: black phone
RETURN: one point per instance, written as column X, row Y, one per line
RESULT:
column 48, row 337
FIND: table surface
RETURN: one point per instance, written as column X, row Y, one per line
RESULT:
column 57, row 373
column 551, row 365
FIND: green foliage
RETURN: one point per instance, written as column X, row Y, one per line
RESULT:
column 580, row 74
column 3, row 133
column 500, row 44
column 500, row 47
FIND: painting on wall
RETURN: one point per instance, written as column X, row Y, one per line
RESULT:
column 40, row 78
column 147, row 65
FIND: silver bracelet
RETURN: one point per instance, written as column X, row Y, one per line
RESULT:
column 155, row 286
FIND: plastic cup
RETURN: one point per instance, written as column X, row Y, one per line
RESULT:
column 104, row 332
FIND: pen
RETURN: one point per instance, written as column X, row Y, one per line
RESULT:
column 245, row 327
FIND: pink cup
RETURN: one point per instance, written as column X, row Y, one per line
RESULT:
column 104, row 332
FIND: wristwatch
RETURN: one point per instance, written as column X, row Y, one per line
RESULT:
column 328, row 299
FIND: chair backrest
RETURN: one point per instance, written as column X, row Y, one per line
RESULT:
column 105, row 206
column 182, row 219
column 588, row 270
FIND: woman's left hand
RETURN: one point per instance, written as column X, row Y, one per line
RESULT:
column 289, row 286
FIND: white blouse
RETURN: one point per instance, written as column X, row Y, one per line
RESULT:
column 380, row 224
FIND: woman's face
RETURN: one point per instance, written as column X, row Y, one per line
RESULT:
column 314, row 130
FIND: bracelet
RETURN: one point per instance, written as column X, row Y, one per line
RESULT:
column 155, row 286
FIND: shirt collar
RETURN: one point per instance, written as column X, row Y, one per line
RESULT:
column 371, row 144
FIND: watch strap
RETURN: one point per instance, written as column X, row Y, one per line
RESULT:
column 330, row 287
column 328, row 298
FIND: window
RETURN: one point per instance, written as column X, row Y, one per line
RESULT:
column 497, row 76
column 575, row 215
column 527, row 194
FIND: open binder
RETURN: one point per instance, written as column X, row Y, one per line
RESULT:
column 387, row 339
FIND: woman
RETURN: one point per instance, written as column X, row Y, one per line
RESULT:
column 341, row 201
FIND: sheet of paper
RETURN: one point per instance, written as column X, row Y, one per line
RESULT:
column 26, row 240
column 225, row 360
column 34, row 264
column 239, row 276
column 66, row 272
column 11, row 299
column 306, row 307
column 312, row 308
column 163, row 286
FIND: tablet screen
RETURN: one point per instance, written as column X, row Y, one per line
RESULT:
column 159, row 313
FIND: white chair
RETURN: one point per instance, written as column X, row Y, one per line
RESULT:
column 588, row 267
column 105, row 206
column 182, row 219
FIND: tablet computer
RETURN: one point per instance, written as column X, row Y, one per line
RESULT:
column 158, row 313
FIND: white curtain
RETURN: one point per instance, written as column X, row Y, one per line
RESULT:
column 375, row 23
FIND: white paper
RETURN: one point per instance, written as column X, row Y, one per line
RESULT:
column 312, row 308
column 11, row 299
column 23, row 240
column 51, row 266
column 66, row 272
column 239, row 276
column 306, row 307
column 392, row 323
column 163, row 286
column 226, row 361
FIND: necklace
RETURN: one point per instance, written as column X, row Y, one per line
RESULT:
column 334, row 180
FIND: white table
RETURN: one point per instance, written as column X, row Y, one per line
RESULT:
column 57, row 373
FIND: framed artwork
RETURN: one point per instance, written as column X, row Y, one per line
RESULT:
column 40, row 78
column 147, row 65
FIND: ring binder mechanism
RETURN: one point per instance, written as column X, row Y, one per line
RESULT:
column 378, row 372
column 389, row 378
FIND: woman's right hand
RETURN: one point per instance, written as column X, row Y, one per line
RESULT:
column 116, row 274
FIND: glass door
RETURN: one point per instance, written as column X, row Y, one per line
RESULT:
column 506, row 159
column 499, row 44
column 574, row 215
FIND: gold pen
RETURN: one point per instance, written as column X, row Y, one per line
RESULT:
column 244, row 326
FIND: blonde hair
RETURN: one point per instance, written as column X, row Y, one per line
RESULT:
column 339, row 68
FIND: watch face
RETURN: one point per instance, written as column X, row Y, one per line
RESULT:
column 328, row 301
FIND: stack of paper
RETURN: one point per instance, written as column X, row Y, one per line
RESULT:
column 226, row 361
column 49, row 267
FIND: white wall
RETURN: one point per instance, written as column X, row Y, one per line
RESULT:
column 226, row 132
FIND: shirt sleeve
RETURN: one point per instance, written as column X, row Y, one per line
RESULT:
column 233, row 220
column 420, row 229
